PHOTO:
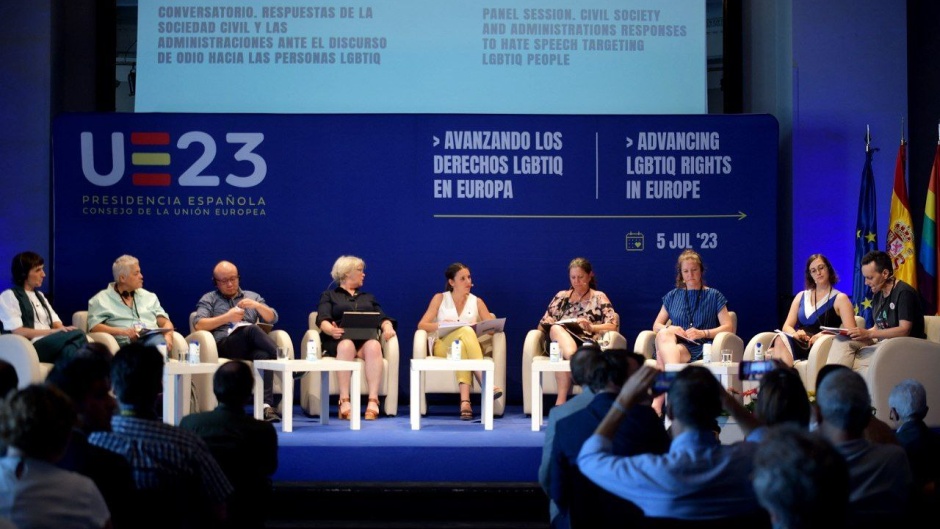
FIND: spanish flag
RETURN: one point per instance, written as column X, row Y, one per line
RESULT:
column 900, row 243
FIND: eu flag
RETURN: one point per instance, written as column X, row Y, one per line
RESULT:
column 866, row 240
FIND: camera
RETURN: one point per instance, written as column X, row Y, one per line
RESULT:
column 755, row 370
column 663, row 381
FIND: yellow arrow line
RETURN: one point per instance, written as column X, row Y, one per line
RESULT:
column 740, row 216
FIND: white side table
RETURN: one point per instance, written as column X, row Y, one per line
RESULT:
column 440, row 364
column 538, row 368
column 726, row 372
column 287, row 368
column 173, row 392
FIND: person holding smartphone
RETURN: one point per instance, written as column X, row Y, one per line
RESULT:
column 699, row 478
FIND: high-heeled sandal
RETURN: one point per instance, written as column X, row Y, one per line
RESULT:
column 372, row 414
column 466, row 414
column 344, row 414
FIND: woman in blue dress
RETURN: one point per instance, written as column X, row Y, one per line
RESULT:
column 817, row 306
column 691, row 315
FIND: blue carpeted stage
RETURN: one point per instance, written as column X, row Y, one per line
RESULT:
column 446, row 449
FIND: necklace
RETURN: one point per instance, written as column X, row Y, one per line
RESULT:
column 824, row 301
column 692, row 309
column 580, row 296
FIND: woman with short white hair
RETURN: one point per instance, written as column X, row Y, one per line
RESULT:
column 349, row 273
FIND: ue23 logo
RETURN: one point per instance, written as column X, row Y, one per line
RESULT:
column 150, row 159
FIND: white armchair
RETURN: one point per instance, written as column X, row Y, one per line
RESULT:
column 494, row 347
column 809, row 368
column 646, row 343
column 388, row 386
column 209, row 353
column 533, row 350
column 19, row 352
column 80, row 321
column 904, row 357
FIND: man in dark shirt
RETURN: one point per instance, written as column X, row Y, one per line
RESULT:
column 896, row 309
column 177, row 481
column 86, row 379
column 244, row 447
column 232, row 316
column 582, row 504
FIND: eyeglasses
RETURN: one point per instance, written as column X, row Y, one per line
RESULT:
column 818, row 269
column 227, row 280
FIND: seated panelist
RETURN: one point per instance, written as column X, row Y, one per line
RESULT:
column 896, row 310
column 457, row 304
column 124, row 308
column 349, row 272
column 25, row 311
column 691, row 315
column 231, row 315
column 590, row 308
column 819, row 305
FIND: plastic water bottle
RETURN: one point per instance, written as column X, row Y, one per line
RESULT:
column 161, row 346
column 758, row 352
column 554, row 353
column 193, row 357
column 312, row 350
column 707, row 353
column 455, row 350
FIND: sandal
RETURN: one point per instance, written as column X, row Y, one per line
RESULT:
column 466, row 414
column 497, row 392
column 372, row 413
column 344, row 413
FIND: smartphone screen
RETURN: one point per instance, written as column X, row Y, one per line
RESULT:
column 755, row 370
column 663, row 381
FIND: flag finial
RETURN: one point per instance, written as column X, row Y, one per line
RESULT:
column 902, row 130
column 867, row 138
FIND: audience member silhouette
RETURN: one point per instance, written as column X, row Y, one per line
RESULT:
column 877, row 430
column 179, row 483
column 244, row 447
column 699, row 479
column 879, row 474
column 579, row 366
column 801, row 479
column 781, row 399
column 908, row 403
column 9, row 380
column 583, row 504
column 35, row 423
column 86, row 379
column 8, row 383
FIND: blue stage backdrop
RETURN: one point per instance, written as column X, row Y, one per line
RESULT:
column 513, row 197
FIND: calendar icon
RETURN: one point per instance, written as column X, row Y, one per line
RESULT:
column 635, row 242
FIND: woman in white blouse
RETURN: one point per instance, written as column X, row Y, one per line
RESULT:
column 457, row 304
